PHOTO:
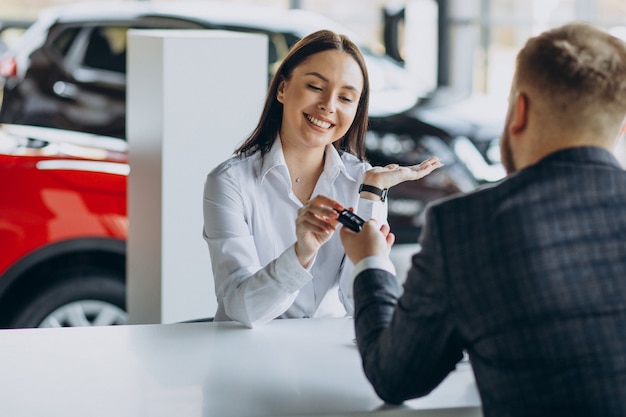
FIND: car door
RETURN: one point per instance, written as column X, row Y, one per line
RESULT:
column 90, row 86
column 84, row 84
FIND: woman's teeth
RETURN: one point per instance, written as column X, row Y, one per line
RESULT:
column 317, row 122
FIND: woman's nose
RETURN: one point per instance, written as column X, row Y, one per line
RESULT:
column 327, row 104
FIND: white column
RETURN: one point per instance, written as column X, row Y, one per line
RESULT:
column 192, row 97
column 421, row 40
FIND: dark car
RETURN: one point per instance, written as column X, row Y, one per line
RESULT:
column 69, row 72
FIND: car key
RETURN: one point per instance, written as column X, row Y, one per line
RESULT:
column 350, row 220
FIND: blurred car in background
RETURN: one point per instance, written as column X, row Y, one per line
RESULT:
column 63, row 228
column 68, row 72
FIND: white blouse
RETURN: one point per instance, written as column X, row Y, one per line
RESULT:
column 250, row 215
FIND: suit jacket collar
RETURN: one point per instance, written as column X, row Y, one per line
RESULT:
column 583, row 154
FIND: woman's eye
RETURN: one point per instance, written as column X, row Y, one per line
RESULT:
column 347, row 99
column 314, row 87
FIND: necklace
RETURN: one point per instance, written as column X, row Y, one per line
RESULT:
column 299, row 180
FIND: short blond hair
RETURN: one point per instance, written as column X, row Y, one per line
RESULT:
column 580, row 70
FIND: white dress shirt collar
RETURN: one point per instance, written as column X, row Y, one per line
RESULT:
column 275, row 159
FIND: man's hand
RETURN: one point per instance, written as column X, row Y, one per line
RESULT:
column 372, row 240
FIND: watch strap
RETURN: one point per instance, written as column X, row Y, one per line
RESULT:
column 382, row 193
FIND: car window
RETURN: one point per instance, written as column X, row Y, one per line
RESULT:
column 105, row 45
column 61, row 44
column 277, row 48
column 106, row 49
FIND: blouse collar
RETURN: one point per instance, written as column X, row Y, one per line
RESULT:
column 275, row 159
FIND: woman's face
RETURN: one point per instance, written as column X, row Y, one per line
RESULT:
column 320, row 99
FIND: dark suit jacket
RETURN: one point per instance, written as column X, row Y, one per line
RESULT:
column 529, row 277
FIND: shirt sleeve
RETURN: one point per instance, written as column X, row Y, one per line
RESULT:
column 247, row 292
column 408, row 343
column 367, row 209
column 374, row 262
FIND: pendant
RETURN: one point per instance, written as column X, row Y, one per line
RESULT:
column 298, row 180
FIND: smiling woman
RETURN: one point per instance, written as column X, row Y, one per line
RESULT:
column 270, row 212
column 320, row 100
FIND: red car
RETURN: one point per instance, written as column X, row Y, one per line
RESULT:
column 63, row 228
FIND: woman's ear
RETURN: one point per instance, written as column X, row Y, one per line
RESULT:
column 280, row 91
column 519, row 120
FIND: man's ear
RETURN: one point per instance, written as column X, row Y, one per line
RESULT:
column 519, row 120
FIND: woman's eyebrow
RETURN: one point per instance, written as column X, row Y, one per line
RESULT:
column 321, row 77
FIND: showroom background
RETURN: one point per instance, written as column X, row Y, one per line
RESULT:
column 482, row 36
column 467, row 45
column 476, row 40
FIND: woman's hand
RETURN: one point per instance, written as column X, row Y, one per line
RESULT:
column 315, row 224
column 394, row 174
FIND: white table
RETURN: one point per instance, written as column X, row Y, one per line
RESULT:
column 285, row 368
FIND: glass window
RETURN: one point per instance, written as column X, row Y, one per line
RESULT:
column 62, row 43
column 501, row 29
column 107, row 49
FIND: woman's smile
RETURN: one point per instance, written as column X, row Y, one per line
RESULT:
column 319, row 123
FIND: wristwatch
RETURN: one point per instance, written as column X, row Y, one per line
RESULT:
column 382, row 193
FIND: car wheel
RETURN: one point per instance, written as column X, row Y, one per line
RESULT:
column 90, row 301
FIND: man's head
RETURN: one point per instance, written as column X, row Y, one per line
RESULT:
column 569, row 89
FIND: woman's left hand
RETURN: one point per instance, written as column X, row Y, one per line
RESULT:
column 394, row 174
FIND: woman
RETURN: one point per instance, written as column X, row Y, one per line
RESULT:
column 270, row 212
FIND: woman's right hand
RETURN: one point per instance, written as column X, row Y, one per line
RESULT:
column 315, row 225
column 394, row 174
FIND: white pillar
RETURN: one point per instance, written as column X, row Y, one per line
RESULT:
column 421, row 40
column 192, row 97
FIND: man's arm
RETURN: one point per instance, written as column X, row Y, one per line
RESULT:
column 408, row 344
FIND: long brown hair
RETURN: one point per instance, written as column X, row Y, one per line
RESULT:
column 268, row 127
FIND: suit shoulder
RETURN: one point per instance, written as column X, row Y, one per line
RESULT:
column 480, row 195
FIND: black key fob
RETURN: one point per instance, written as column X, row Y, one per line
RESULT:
column 350, row 220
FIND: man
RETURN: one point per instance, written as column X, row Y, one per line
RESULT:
column 528, row 276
